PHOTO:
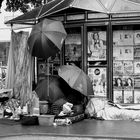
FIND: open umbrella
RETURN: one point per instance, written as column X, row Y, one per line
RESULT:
column 54, row 6
column 76, row 78
column 46, row 38
column 58, row 89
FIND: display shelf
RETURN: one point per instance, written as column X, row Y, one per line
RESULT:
column 126, row 66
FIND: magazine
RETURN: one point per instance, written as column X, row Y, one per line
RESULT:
column 137, row 37
column 117, row 67
column 137, row 96
column 137, row 52
column 117, row 53
column 96, row 46
column 137, row 82
column 117, row 82
column 123, row 53
column 136, row 67
column 121, row 38
column 128, row 96
column 128, row 67
column 117, row 96
column 98, row 78
column 128, row 82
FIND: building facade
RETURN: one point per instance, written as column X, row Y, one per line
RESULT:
column 107, row 48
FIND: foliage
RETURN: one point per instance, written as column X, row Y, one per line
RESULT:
column 22, row 5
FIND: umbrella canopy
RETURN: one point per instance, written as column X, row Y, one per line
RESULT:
column 58, row 89
column 46, row 38
column 76, row 78
column 54, row 6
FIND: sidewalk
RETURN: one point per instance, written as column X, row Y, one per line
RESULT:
column 84, row 130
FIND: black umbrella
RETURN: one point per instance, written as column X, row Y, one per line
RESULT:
column 58, row 89
column 46, row 38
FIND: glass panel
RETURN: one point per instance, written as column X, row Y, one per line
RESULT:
column 126, row 64
column 4, row 51
column 49, row 67
column 59, row 18
column 75, row 17
column 73, row 46
column 97, row 60
column 97, row 15
column 126, row 15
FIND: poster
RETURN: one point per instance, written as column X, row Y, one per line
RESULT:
column 117, row 67
column 137, row 37
column 128, row 67
column 123, row 38
column 42, row 69
column 118, row 96
column 73, row 47
column 137, row 96
column 128, row 96
column 137, row 52
column 123, row 53
column 137, row 82
column 96, row 46
column 128, row 82
column 136, row 67
column 98, row 78
column 117, row 82
column 55, row 59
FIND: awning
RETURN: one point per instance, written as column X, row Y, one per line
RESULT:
column 54, row 6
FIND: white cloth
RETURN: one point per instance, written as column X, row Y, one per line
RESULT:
column 101, row 108
column 20, row 66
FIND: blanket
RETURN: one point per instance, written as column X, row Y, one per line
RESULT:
column 103, row 109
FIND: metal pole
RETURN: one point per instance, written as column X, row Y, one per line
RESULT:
column 48, row 73
column 45, row 1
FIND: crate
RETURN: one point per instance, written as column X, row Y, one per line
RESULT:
column 46, row 119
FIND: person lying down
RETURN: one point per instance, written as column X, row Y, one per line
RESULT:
column 105, row 110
